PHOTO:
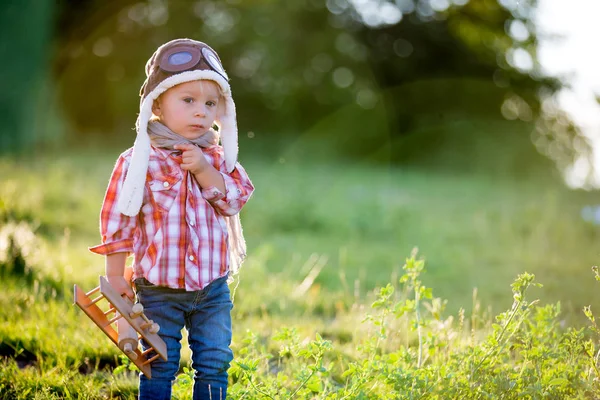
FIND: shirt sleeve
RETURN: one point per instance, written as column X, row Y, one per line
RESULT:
column 238, row 189
column 116, row 229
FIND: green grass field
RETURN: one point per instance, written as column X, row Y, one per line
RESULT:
column 353, row 224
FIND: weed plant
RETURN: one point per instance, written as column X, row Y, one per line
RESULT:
column 406, row 350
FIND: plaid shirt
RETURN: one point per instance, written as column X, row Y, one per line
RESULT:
column 179, row 237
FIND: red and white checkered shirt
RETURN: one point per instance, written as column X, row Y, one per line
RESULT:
column 179, row 237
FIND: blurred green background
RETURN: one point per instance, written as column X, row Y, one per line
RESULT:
column 369, row 128
column 369, row 79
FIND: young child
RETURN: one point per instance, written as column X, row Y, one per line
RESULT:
column 173, row 201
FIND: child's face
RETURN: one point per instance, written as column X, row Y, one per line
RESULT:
column 190, row 108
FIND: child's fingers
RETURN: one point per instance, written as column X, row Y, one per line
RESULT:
column 129, row 293
column 188, row 167
column 187, row 159
column 121, row 286
column 186, row 164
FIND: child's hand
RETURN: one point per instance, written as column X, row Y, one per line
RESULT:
column 193, row 159
column 121, row 286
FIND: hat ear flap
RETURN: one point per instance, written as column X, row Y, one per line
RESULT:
column 229, row 134
column 229, row 141
column 132, row 192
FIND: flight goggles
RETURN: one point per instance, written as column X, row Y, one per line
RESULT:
column 183, row 58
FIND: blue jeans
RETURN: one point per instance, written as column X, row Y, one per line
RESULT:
column 206, row 314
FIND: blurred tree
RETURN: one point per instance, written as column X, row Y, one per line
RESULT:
column 281, row 58
column 25, row 28
column 413, row 43
column 365, row 73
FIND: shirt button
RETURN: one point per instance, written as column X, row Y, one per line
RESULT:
column 191, row 258
column 192, row 223
column 215, row 193
column 166, row 184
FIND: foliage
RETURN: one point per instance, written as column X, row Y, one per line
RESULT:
column 299, row 64
column 470, row 44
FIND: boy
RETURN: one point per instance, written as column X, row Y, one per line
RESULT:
column 173, row 201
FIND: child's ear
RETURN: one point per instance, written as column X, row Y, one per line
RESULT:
column 156, row 107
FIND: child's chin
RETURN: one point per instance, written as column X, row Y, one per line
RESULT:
column 193, row 135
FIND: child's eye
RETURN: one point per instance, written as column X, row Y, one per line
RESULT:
column 188, row 100
column 211, row 103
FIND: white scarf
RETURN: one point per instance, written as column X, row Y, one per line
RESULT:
column 162, row 136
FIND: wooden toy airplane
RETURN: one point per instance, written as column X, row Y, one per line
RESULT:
column 131, row 323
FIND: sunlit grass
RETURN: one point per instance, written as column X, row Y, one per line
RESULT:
column 353, row 224
column 472, row 230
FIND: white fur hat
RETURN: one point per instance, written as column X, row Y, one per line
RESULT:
column 175, row 62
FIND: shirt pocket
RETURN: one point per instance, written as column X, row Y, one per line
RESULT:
column 164, row 188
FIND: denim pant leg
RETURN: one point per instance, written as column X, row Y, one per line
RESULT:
column 166, row 307
column 209, row 331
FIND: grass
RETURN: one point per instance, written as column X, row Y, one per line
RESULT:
column 354, row 224
column 472, row 231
